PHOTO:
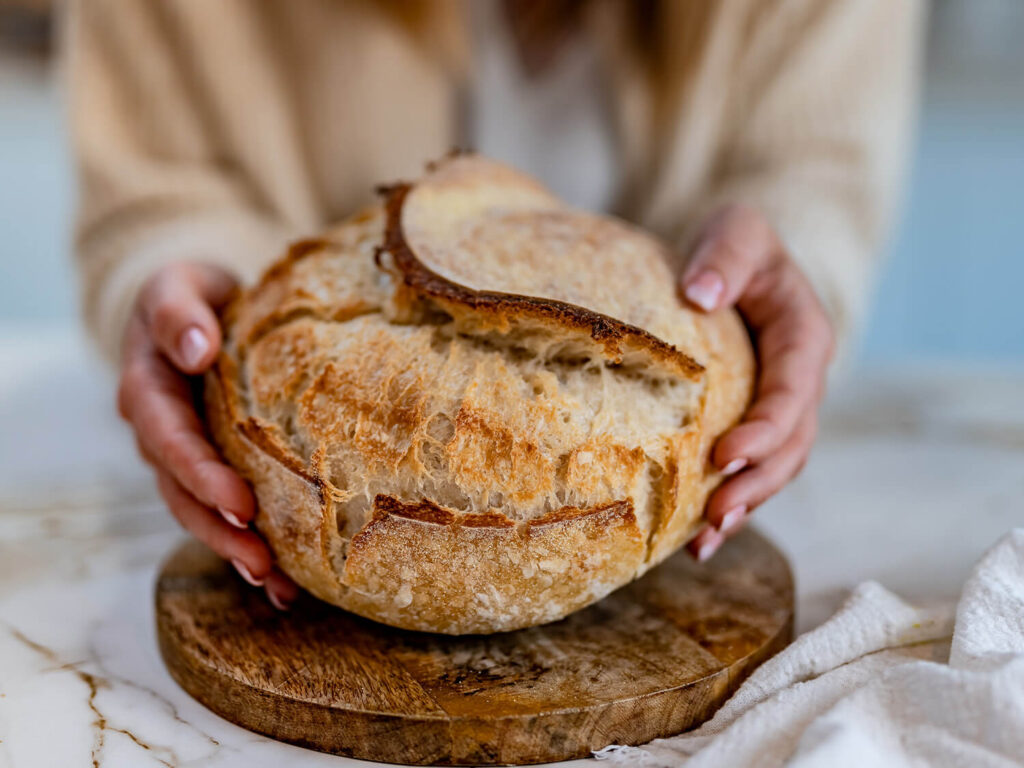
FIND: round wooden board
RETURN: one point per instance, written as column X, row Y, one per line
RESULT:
column 653, row 659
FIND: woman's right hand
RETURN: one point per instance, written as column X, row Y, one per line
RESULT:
column 173, row 334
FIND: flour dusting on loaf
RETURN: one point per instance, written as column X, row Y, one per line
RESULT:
column 473, row 408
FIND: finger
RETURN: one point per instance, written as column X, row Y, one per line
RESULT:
column 732, row 502
column 705, row 543
column 176, row 306
column 247, row 551
column 135, row 345
column 158, row 403
column 281, row 591
column 794, row 348
column 147, row 457
column 729, row 252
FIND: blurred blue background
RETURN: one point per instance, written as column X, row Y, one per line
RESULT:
column 951, row 287
column 953, row 283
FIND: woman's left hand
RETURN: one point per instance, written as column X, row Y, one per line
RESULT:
column 740, row 261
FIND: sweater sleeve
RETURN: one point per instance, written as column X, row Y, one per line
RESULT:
column 154, row 186
column 820, row 114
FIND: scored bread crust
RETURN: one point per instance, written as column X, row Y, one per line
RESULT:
column 610, row 337
column 436, row 453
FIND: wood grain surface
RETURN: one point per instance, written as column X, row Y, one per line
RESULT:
column 655, row 658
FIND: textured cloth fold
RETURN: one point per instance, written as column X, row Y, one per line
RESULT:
column 882, row 683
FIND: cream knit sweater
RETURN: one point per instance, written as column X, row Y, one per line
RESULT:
column 216, row 131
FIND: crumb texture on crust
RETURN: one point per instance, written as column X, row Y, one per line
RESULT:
column 473, row 409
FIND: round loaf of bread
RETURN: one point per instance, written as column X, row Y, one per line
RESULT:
column 473, row 408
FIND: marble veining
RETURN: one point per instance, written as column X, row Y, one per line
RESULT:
column 101, row 726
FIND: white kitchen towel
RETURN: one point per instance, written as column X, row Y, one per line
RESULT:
column 881, row 685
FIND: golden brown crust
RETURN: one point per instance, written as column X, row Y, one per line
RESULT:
column 506, row 308
column 413, row 567
column 731, row 373
column 419, row 454
column 420, row 566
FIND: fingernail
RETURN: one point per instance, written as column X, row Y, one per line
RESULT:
column 232, row 518
column 712, row 541
column 734, row 466
column 245, row 573
column 705, row 290
column 193, row 346
column 707, row 549
column 277, row 602
column 733, row 519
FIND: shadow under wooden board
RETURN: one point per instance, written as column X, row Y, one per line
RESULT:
column 654, row 658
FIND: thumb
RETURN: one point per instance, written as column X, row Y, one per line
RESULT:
column 177, row 305
column 736, row 244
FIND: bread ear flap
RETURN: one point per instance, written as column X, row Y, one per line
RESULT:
column 426, row 249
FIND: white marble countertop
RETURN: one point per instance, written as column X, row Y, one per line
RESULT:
column 918, row 470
